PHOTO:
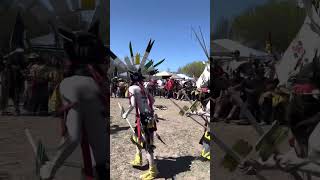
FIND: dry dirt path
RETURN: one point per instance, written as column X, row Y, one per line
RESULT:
column 178, row 159
column 16, row 155
column 230, row 133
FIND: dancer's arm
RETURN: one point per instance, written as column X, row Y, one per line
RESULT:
column 271, row 164
column 310, row 167
column 311, row 164
column 288, row 162
column 291, row 163
column 125, row 115
column 131, row 107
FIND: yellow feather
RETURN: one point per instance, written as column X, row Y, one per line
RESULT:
column 137, row 58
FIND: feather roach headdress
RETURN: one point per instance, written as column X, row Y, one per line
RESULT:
column 84, row 47
column 136, row 68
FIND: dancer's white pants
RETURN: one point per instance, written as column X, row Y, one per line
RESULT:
column 90, row 112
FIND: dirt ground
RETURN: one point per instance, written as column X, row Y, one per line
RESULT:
column 230, row 133
column 177, row 160
column 16, row 155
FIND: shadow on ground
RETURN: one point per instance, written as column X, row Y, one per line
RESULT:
column 115, row 129
column 142, row 168
column 170, row 167
column 162, row 119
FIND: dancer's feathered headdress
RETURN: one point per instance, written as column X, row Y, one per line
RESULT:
column 84, row 46
column 136, row 68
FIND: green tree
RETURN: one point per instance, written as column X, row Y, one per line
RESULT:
column 282, row 19
column 192, row 69
column 222, row 30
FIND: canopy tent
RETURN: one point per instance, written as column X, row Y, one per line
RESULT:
column 230, row 45
column 219, row 48
column 48, row 40
column 227, row 45
column 185, row 76
column 175, row 76
column 163, row 73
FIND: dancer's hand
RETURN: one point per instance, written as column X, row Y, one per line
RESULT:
column 124, row 115
column 46, row 171
column 263, row 96
column 250, row 166
column 289, row 161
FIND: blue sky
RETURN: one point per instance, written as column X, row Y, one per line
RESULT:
column 168, row 22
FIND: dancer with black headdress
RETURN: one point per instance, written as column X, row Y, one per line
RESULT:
column 84, row 103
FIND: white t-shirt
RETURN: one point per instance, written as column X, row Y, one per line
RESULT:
column 160, row 82
column 139, row 99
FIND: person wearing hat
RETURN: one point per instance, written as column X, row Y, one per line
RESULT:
column 142, row 101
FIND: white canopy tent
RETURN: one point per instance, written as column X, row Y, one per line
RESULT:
column 227, row 45
column 163, row 73
column 231, row 45
column 185, row 76
column 175, row 76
